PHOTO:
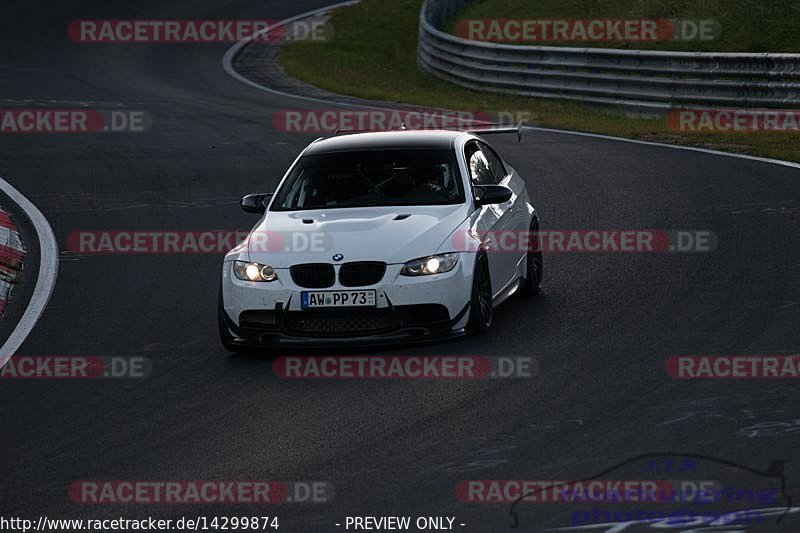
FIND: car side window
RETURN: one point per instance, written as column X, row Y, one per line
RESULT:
column 480, row 171
column 495, row 163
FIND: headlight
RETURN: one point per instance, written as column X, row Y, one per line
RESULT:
column 435, row 264
column 254, row 271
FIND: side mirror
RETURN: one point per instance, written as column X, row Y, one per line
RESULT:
column 256, row 203
column 491, row 194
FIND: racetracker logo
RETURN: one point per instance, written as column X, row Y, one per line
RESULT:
column 402, row 367
column 549, row 491
column 586, row 30
column 203, row 492
column 586, row 241
column 74, row 121
column 196, row 242
column 196, row 31
column 76, row 367
column 343, row 120
column 734, row 367
column 733, row 120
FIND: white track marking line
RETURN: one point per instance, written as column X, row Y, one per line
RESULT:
column 678, row 147
column 48, row 272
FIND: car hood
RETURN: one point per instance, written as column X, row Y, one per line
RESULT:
column 390, row 234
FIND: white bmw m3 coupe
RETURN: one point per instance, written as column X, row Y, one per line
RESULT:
column 381, row 238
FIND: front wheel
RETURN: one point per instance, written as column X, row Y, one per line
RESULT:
column 481, row 309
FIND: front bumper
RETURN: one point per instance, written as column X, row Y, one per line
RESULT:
column 407, row 309
column 329, row 329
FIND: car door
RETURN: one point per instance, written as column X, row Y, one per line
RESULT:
column 508, row 227
column 492, row 220
column 515, row 220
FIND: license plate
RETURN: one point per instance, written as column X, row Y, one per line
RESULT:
column 315, row 299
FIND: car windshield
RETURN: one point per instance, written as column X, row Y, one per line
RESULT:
column 372, row 178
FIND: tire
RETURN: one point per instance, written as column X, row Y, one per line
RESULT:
column 481, row 310
column 534, row 266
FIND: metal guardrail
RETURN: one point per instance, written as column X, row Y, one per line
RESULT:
column 632, row 78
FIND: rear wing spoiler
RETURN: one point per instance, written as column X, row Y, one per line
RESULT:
column 482, row 129
column 494, row 129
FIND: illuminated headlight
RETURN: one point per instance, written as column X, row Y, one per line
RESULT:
column 426, row 266
column 254, row 271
